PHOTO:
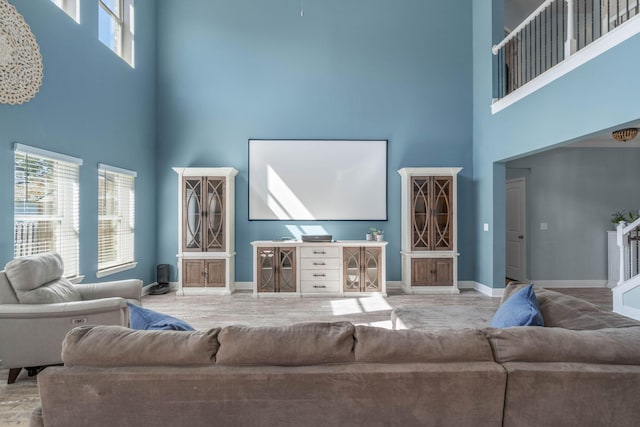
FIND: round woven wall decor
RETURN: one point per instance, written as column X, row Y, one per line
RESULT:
column 20, row 59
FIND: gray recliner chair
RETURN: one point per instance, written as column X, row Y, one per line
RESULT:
column 38, row 307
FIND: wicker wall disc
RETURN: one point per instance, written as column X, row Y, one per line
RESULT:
column 20, row 59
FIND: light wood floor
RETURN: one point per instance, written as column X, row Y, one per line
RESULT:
column 18, row 400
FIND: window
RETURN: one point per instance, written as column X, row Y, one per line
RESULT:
column 116, row 27
column 116, row 219
column 72, row 7
column 46, row 206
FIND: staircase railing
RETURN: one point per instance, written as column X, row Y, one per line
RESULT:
column 628, row 239
column 553, row 32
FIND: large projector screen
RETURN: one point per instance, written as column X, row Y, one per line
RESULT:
column 317, row 180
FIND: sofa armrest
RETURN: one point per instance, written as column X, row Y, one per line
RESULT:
column 130, row 289
column 63, row 309
column 32, row 334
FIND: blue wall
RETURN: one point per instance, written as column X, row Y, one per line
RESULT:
column 94, row 106
column 600, row 94
column 349, row 69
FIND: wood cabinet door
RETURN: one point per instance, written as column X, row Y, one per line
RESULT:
column 361, row 269
column 266, row 280
column 421, row 213
column 351, row 269
column 215, row 273
column 432, row 272
column 214, row 214
column 286, row 273
column 192, row 214
column 371, row 269
column 192, row 273
column 442, row 214
column 432, row 213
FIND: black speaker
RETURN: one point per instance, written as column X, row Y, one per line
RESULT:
column 162, row 274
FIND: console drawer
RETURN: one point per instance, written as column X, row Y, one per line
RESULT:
column 320, row 252
column 318, row 286
column 320, row 263
column 320, row 275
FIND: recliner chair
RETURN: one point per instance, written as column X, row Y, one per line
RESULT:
column 38, row 307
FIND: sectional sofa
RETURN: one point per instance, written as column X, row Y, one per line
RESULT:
column 582, row 369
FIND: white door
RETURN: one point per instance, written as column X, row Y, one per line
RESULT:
column 516, row 248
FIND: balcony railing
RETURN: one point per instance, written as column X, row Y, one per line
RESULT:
column 554, row 31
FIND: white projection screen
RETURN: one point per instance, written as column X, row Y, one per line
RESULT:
column 317, row 180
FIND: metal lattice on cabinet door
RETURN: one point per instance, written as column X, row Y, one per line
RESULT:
column 193, row 210
column 215, row 214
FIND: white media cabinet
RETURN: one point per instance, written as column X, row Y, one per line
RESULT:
column 338, row 268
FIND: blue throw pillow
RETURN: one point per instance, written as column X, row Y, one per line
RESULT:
column 145, row 319
column 520, row 309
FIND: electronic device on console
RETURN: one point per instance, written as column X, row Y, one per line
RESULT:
column 321, row 238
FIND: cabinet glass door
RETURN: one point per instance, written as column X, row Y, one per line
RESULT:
column 215, row 214
column 352, row 271
column 421, row 213
column 287, row 270
column 442, row 213
column 266, row 270
column 192, row 214
column 372, row 269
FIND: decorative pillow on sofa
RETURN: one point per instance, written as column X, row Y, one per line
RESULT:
column 520, row 309
column 145, row 319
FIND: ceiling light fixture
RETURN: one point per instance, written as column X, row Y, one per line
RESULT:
column 624, row 135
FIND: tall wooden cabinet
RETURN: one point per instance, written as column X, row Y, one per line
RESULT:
column 429, row 230
column 206, row 230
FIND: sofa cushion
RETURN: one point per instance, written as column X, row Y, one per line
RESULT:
column 564, row 311
column 145, row 319
column 520, row 309
column 31, row 272
column 60, row 290
column 380, row 345
column 296, row 345
column 614, row 346
column 120, row 346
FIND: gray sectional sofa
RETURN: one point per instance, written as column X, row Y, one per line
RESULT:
column 582, row 369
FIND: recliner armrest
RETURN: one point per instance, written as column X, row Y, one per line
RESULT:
column 63, row 309
column 130, row 289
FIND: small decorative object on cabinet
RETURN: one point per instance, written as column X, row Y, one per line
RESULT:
column 206, row 230
column 429, row 230
column 317, row 269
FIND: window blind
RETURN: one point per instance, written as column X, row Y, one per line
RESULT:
column 116, row 217
column 46, row 205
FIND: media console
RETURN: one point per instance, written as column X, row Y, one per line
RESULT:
column 340, row 268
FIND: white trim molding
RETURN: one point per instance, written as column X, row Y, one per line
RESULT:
column 569, row 283
column 482, row 288
column 116, row 269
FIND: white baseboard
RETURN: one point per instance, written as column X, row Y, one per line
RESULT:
column 570, row 283
column 482, row 288
column 395, row 285
column 244, row 286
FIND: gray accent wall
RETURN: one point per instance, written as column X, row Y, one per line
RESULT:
column 575, row 191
